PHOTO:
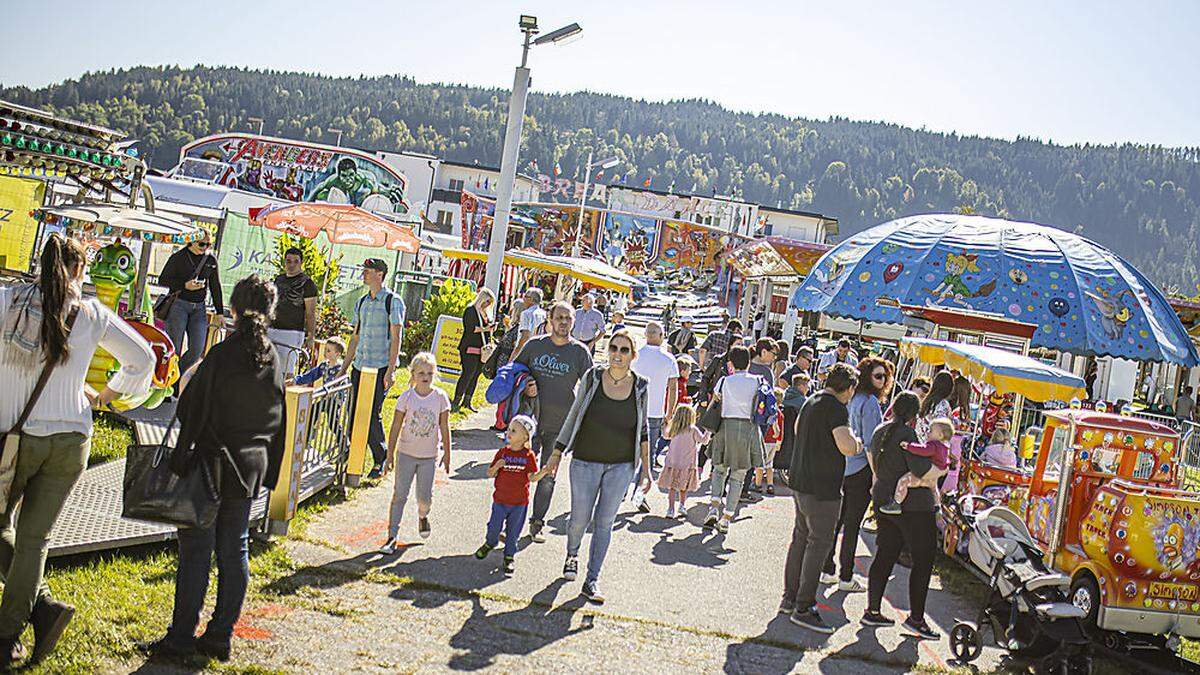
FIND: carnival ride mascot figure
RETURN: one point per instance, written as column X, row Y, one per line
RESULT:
column 952, row 285
column 113, row 273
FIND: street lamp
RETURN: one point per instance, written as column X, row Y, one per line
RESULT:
column 338, row 142
column 256, row 120
column 603, row 165
column 512, row 144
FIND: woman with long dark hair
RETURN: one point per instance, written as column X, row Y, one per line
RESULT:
column 49, row 322
column 936, row 403
column 915, row 527
column 477, row 330
column 236, row 432
column 866, row 413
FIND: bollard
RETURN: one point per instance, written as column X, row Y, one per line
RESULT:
column 281, row 505
column 360, row 426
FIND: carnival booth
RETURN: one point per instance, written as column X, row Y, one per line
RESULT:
column 772, row 267
column 522, row 268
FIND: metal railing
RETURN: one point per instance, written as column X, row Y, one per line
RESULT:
column 328, row 441
column 1189, row 456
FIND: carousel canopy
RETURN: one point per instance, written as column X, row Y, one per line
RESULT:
column 1083, row 298
column 776, row 257
column 117, row 220
column 1004, row 371
column 586, row 270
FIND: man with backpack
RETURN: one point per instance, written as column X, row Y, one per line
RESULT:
column 378, row 322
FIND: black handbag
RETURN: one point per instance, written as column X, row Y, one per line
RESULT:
column 162, row 306
column 711, row 420
column 155, row 493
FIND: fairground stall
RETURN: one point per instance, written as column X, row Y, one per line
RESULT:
column 772, row 268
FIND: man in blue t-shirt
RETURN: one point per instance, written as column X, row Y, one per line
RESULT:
column 378, row 322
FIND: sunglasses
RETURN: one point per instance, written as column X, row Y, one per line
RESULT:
column 619, row 350
column 204, row 244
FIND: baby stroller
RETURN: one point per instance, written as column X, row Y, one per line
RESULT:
column 1027, row 609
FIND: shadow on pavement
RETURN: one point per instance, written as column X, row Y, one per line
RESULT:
column 691, row 550
column 518, row 632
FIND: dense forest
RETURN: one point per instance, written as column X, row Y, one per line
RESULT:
column 1140, row 200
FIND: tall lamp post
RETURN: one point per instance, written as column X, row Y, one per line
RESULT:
column 512, row 144
column 587, row 175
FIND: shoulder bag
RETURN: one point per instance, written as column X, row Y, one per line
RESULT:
column 155, row 493
column 12, row 437
column 162, row 306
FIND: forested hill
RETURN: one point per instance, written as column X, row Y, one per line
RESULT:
column 1139, row 200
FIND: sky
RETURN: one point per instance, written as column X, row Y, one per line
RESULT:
column 1059, row 70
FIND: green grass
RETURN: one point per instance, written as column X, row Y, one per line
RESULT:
column 111, row 438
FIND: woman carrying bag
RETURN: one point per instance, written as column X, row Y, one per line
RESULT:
column 232, row 427
column 48, row 327
column 477, row 330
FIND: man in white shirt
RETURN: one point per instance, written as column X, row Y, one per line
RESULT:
column 533, row 319
column 657, row 365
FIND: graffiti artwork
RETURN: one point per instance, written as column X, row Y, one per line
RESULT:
column 296, row 171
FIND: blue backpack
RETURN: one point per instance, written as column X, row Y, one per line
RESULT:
column 766, row 406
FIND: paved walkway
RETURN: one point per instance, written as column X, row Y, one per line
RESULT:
column 679, row 597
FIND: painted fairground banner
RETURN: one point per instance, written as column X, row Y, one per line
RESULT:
column 477, row 214
column 295, row 171
column 689, row 245
column 553, row 231
column 629, row 242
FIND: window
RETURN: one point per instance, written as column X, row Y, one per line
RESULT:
column 456, row 185
column 445, row 217
column 1058, row 447
column 1145, row 466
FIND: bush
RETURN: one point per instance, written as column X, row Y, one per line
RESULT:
column 450, row 299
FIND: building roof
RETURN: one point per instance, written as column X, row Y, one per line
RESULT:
column 793, row 212
column 720, row 198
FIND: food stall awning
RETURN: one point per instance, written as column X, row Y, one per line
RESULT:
column 1003, row 370
column 776, row 257
column 117, row 219
column 586, row 270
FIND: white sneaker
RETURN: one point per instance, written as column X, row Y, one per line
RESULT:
column 852, row 586
column 828, row 578
column 723, row 525
column 389, row 547
column 671, row 512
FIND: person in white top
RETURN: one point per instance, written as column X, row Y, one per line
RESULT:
column 660, row 368
column 737, row 446
column 533, row 319
column 37, row 327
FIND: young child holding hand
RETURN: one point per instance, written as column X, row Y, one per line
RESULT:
column 937, row 448
column 422, row 417
column 514, row 467
column 333, row 351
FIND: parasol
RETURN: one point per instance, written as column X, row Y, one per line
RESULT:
column 342, row 223
column 1083, row 298
column 1004, row 371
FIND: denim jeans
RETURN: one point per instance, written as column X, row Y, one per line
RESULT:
column 856, row 496
column 653, row 434
column 544, row 492
column 512, row 520
column 375, row 433
column 596, row 493
column 407, row 470
column 230, row 537
column 47, row 468
column 188, row 319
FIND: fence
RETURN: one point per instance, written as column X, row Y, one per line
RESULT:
column 325, row 444
column 1189, row 463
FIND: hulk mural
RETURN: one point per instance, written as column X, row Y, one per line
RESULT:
column 296, row 171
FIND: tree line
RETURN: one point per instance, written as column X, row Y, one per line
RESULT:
column 1140, row 200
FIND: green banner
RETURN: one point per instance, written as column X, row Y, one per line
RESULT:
column 250, row 249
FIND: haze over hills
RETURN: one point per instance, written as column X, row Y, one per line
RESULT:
column 1139, row 200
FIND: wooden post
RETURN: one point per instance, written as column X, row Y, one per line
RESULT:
column 360, row 426
column 281, row 506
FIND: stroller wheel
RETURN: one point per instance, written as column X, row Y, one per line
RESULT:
column 965, row 642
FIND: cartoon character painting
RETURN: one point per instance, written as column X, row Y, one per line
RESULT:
column 953, row 287
column 829, row 277
column 1114, row 314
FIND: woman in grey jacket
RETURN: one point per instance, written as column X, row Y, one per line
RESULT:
column 605, row 429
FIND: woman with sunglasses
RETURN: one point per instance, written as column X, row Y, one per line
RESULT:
column 188, row 274
column 866, row 413
column 606, row 431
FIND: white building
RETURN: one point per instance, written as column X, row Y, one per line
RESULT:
column 454, row 177
column 799, row 225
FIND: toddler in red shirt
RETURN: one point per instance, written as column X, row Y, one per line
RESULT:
column 514, row 467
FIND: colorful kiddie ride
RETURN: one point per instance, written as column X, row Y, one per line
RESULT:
column 1100, row 504
column 113, row 272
